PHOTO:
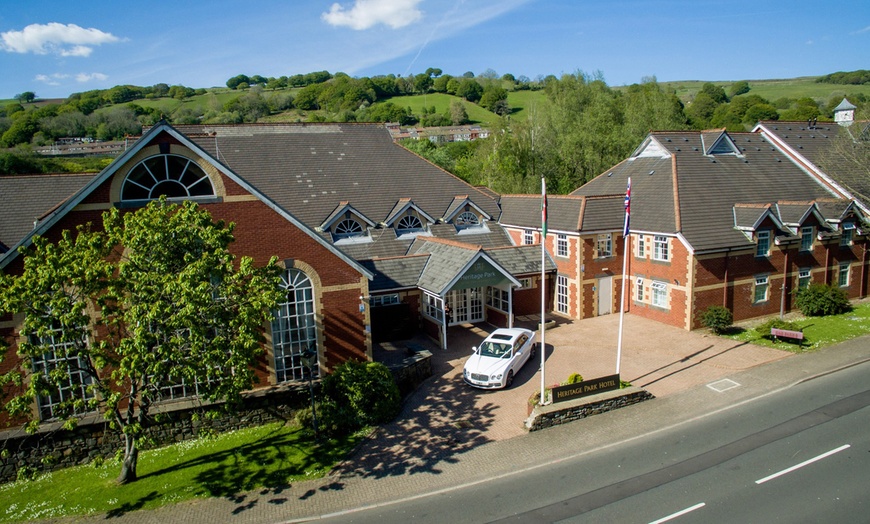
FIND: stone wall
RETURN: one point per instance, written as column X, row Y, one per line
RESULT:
column 564, row 412
column 53, row 447
column 412, row 370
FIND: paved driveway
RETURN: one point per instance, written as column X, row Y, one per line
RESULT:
column 445, row 417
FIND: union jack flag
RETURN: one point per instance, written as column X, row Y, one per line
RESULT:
column 627, row 207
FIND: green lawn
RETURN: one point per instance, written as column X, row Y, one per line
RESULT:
column 442, row 101
column 271, row 456
column 818, row 331
column 775, row 89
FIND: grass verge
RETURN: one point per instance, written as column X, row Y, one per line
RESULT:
column 270, row 456
column 818, row 331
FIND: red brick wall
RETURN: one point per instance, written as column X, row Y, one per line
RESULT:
column 674, row 272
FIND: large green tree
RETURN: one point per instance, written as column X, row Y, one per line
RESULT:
column 113, row 318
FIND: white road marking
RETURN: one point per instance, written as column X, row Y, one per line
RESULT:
column 723, row 385
column 678, row 514
column 802, row 464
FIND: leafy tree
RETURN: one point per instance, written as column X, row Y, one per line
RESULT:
column 469, row 89
column 452, row 85
column 306, row 98
column 458, row 114
column 468, row 74
column 439, row 85
column 700, row 111
column 26, row 97
column 234, row 82
column 717, row 93
column 738, row 88
column 760, row 112
column 494, row 98
column 358, row 394
column 718, row 319
column 160, row 90
column 422, row 83
column 174, row 306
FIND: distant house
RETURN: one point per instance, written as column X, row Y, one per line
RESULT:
column 438, row 134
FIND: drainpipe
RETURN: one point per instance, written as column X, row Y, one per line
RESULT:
column 725, row 281
column 827, row 265
column 784, row 282
column 861, row 292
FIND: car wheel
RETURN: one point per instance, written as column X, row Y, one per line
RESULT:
column 509, row 380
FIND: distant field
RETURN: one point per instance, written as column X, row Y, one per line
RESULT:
column 775, row 89
column 442, row 102
column 522, row 102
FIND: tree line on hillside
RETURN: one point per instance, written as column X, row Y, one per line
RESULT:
column 859, row 77
column 581, row 127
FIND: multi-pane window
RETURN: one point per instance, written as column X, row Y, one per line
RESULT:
column 528, row 237
column 843, row 274
column 384, row 300
column 562, row 294
column 466, row 219
column 761, row 285
column 294, row 327
column 641, row 247
column 497, row 298
column 660, row 248
column 348, row 228
column 659, row 294
column 804, row 278
column 562, row 245
column 762, row 246
column 172, row 176
column 847, row 234
column 76, row 381
column 409, row 222
column 638, row 295
column 806, row 238
column 432, row 306
column 525, row 283
column 605, row 245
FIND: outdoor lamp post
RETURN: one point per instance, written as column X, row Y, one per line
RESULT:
column 309, row 360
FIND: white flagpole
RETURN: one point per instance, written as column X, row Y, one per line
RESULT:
column 543, row 345
column 625, row 255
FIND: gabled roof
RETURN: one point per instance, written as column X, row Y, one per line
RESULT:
column 749, row 217
column 448, row 262
column 401, row 206
column 693, row 194
column 795, row 214
column 396, row 272
column 458, row 205
column 340, row 210
column 147, row 138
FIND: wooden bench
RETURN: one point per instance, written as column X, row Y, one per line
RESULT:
column 787, row 333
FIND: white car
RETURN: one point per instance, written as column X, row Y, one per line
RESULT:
column 499, row 358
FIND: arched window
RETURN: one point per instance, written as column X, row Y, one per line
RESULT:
column 409, row 223
column 172, row 176
column 348, row 228
column 466, row 219
column 293, row 328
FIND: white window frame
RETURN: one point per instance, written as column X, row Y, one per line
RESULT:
column 78, row 379
column 384, row 300
column 433, row 306
column 528, row 237
column 638, row 295
column 659, row 294
column 762, row 282
column 847, row 236
column 843, row 274
column 294, row 327
column 497, row 298
column 807, row 238
column 641, row 251
column 562, row 294
column 660, row 248
column 805, row 277
column 762, row 248
column 561, row 245
column 525, row 283
column 604, row 246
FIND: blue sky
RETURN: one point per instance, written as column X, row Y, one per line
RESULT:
column 55, row 48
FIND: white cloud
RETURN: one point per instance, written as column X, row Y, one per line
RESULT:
column 87, row 77
column 55, row 38
column 866, row 29
column 367, row 13
column 52, row 80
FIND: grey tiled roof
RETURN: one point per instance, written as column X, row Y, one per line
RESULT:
column 308, row 169
column 396, row 273
column 27, row 198
column 701, row 205
column 563, row 212
column 521, row 260
column 814, row 142
column 445, row 262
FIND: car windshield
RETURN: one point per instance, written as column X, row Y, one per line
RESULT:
column 494, row 349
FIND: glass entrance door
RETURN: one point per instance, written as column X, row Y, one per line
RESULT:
column 466, row 305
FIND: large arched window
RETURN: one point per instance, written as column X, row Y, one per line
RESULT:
column 409, row 223
column 172, row 176
column 294, row 329
column 466, row 219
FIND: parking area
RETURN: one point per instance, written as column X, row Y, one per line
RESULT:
column 445, row 416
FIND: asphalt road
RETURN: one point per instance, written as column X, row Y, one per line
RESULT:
column 799, row 455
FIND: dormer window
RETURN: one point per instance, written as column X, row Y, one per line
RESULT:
column 172, row 176
column 348, row 228
column 847, row 234
column 806, row 238
column 762, row 247
column 466, row 219
column 409, row 222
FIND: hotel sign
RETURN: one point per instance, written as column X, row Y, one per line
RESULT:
column 585, row 388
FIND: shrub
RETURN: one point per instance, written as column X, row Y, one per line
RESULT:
column 358, row 394
column 573, row 378
column 821, row 299
column 717, row 318
column 764, row 329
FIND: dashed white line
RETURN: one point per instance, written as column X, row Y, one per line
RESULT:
column 679, row 513
column 802, row 464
